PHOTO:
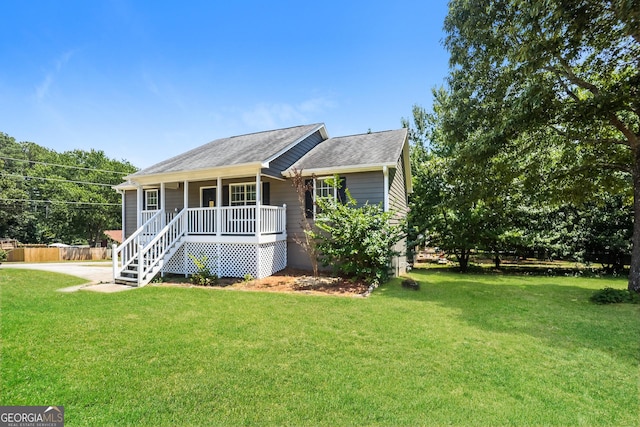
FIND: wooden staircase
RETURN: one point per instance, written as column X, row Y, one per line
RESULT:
column 143, row 254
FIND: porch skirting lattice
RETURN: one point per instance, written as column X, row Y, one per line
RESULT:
column 231, row 259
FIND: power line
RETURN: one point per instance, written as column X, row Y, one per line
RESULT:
column 62, row 166
column 61, row 201
column 56, row 179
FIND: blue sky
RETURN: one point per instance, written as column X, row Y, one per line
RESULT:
column 146, row 80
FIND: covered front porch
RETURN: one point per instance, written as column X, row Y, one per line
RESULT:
column 226, row 221
column 223, row 206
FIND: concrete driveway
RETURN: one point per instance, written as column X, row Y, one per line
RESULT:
column 98, row 274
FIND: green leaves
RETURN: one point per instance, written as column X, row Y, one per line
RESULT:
column 45, row 195
column 545, row 95
column 357, row 242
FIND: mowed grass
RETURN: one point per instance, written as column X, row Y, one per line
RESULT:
column 463, row 350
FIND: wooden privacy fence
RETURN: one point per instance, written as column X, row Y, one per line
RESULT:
column 57, row 254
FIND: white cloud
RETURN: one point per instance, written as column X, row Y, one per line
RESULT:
column 270, row 116
column 42, row 89
column 317, row 105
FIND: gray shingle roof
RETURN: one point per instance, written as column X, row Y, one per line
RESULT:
column 377, row 148
column 235, row 150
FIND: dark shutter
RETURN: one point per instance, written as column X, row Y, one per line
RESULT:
column 308, row 198
column 266, row 197
column 342, row 191
column 225, row 195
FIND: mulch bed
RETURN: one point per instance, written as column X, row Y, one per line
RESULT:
column 287, row 280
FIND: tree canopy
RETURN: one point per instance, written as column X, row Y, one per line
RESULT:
column 48, row 196
column 552, row 87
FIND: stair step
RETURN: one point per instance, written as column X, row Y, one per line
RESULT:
column 126, row 280
column 129, row 275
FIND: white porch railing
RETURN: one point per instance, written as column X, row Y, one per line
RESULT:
column 236, row 220
column 202, row 220
column 168, row 216
column 273, row 219
column 146, row 215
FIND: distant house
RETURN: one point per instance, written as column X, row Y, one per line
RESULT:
column 113, row 235
column 232, row 201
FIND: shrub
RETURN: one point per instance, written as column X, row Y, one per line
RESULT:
column 203, row 277
column 3, row 255
column 614, row 296
column 357, row 242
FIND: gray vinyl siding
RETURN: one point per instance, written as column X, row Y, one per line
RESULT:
column 398, row 204
column 398, row 190
column 366, row 187
column 280, row 164
column 283, row 192
column 130, row 212
column 173, row 199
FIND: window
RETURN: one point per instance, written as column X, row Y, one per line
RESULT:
column 323, row 188
column 242, row 194
column 151, row 199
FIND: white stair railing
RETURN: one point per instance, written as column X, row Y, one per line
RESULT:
column 153, row 253
column 128, row 250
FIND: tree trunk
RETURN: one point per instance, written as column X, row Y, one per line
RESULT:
column 634, row 271
column 463, row 259
column 496, row 260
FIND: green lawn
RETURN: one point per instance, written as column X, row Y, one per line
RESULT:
column 463, row 350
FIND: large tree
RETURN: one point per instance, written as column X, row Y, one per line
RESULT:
column 555, row 82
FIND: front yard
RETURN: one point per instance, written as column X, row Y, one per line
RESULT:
column 463, row 350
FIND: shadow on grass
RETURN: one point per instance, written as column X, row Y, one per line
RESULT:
column 553, row 309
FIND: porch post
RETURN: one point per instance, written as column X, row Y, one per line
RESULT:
column 185, row 198
column 258, row 203
column 139, row 206
column 124, row 213
column 218, row 225
column 163, row 214
column 218, row 206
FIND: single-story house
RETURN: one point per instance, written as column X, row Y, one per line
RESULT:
column 232, row 201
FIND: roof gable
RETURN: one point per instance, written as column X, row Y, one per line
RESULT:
column 257, row 147
column 370, row 149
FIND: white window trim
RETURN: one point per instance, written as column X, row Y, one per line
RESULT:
column 316, row 188
column 146, row 199
column 242, row 184
column 207, row 188
column 323, row 179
